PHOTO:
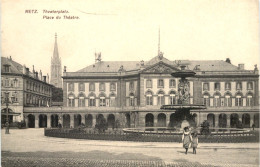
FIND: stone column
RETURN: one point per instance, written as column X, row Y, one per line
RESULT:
column 26, row 120
column 36, row 116
column 94, row 120
column 83, row 118
column 60, row 119
column 251, row 119
column 228, row 120
column 155, row 119
column 167, row 119
column 216, row 120
column 48, row 120
column 72, row 120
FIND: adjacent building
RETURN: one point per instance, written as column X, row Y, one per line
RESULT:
column 23, row 88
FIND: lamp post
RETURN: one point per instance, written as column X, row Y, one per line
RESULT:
column 7, row 111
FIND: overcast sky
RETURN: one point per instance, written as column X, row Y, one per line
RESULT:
column 128, row 31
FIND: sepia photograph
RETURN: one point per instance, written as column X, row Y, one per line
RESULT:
column 130, row 83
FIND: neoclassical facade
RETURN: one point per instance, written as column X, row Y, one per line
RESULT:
column 25, row 88
column 133, row 92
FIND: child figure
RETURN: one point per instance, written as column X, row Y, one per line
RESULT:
column 194, row 142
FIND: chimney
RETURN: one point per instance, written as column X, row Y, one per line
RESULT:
column 27, row 71
column 36, row 75
column 47, row 80
column 24, row 69
column 10, row 57
column 241, row 66
column 40, row 73
column 44, row 78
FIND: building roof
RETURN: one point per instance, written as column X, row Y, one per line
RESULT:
column 202, row 65
column 16, row 68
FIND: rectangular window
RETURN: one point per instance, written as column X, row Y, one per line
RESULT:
column 239, row 86
column 92, row 102
column 249, row 86
column 71, row 86
column 206, row 101
column 172, row 83
column 228, row 86
column 217, row 101
column 172, row 100
column 249, row 101
column 112, row 86
column 160, row 83
column 81, row 87
column 112, row 101
column 71, row 102
column 102, row 102
column 131, row 86
column 91, row 87
column 101, row 86
column 205, row 86
column 132, row 101
column 81, row 102
column 149, row 83
column 217, row 86
column 160, row 100
column 228, row 101
column 149, row 100
column 238, row 101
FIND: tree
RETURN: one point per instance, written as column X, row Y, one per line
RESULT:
column 57, row 94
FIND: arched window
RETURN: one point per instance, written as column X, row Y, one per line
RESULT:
column 239, row 100
column 249, row 100
column 160, row 98
column 206, row 100
column 92, row 100
column 149, row 98
column 81, row 100
column 172, row 97
column 228, row 101
column 113, row 100
column 132, row 99
column 71, row 100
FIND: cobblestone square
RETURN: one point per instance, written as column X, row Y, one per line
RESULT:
column 29, row 147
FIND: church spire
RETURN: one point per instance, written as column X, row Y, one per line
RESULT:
column 56, row 52
column 160, row 54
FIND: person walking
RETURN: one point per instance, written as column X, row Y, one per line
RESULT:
column 186, row 139
column 194, row 142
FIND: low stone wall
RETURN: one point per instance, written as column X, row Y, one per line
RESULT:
column 150, row 137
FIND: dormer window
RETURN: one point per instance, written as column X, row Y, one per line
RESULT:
column 7, row 68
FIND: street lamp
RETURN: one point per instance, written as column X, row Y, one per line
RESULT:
column 7, row 112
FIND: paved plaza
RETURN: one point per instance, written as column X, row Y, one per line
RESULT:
column 29, row 147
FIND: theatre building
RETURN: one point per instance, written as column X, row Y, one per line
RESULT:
column 133, row 92
column 20, row 89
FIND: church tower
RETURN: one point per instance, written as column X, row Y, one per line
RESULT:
column 56, row 66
